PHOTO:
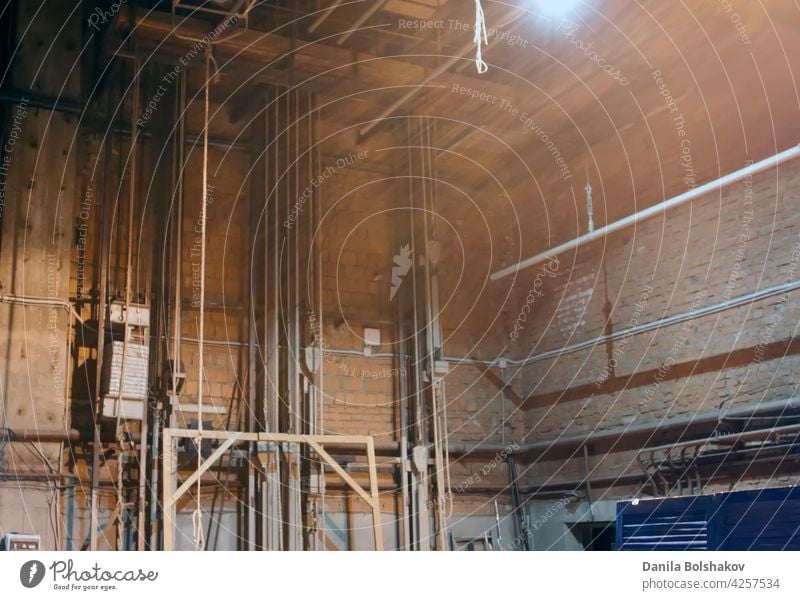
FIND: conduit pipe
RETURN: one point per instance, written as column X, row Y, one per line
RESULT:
column 41, row 301
column 385, row 447
column 653, row 211
column 612, row 435
column 53, row 435
column 682, row 317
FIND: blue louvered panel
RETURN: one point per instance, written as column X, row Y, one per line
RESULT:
column 667, row 524
column 759, row 520
column 753, row 520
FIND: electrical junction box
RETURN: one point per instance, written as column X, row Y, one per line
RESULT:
column 21, row 541
column 372, row 336
column 138, row 315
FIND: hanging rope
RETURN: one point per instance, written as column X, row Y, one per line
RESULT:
column 197, row 516
column 589, row 208
column 480, row 37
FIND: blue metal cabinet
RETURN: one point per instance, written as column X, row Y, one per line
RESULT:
column 753, row 520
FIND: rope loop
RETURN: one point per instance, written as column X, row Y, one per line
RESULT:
column 480, row 37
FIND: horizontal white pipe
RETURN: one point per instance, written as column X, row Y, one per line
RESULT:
column 720, row 183
column 41, row 301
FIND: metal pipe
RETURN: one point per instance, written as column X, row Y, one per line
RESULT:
column 675, row 319
column 390, row 447
column 519, row 505
column 105, row 251
column 298, row 397
column 51, row 436
column 317, row 132
column 141, row 504
column 731, row 438
column 614, row 434
column 41, row 301
column 402, row 390
column 652, row 211
column 121, row 510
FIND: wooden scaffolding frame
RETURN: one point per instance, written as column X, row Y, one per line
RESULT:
column 229, row 438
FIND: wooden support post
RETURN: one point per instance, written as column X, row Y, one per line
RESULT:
column 294, row 508
column 376, row 500
column 251, row 505
column 169, row 506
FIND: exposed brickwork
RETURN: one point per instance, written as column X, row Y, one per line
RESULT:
column 719, row 247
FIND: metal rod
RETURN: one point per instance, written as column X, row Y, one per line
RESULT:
column 653, row 211
column 675, row 319
column 105, row 243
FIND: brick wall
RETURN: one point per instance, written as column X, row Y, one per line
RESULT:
column 716, row 248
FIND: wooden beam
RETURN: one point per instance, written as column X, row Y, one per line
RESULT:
column 169, row 507
column 376, row 500
column 215, row 456
column 231, row 437
column 342, row 473
column 266, row 49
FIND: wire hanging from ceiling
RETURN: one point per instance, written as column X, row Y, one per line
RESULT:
column 480, row 37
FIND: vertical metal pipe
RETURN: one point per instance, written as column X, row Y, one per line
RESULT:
column 320, row 305
column 421, row 481
column 141, row 522
column 105, row 234
column 154, row 474
column 176, row 353
column 519, row 507
column 297, row 396
column 121, row 454
column 274, row 423
column 588, row 475
column 251, row 505
column 430, row 344
column 419, row 425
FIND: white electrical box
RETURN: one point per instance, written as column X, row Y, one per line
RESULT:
column 372, row 336
column 138, row 315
